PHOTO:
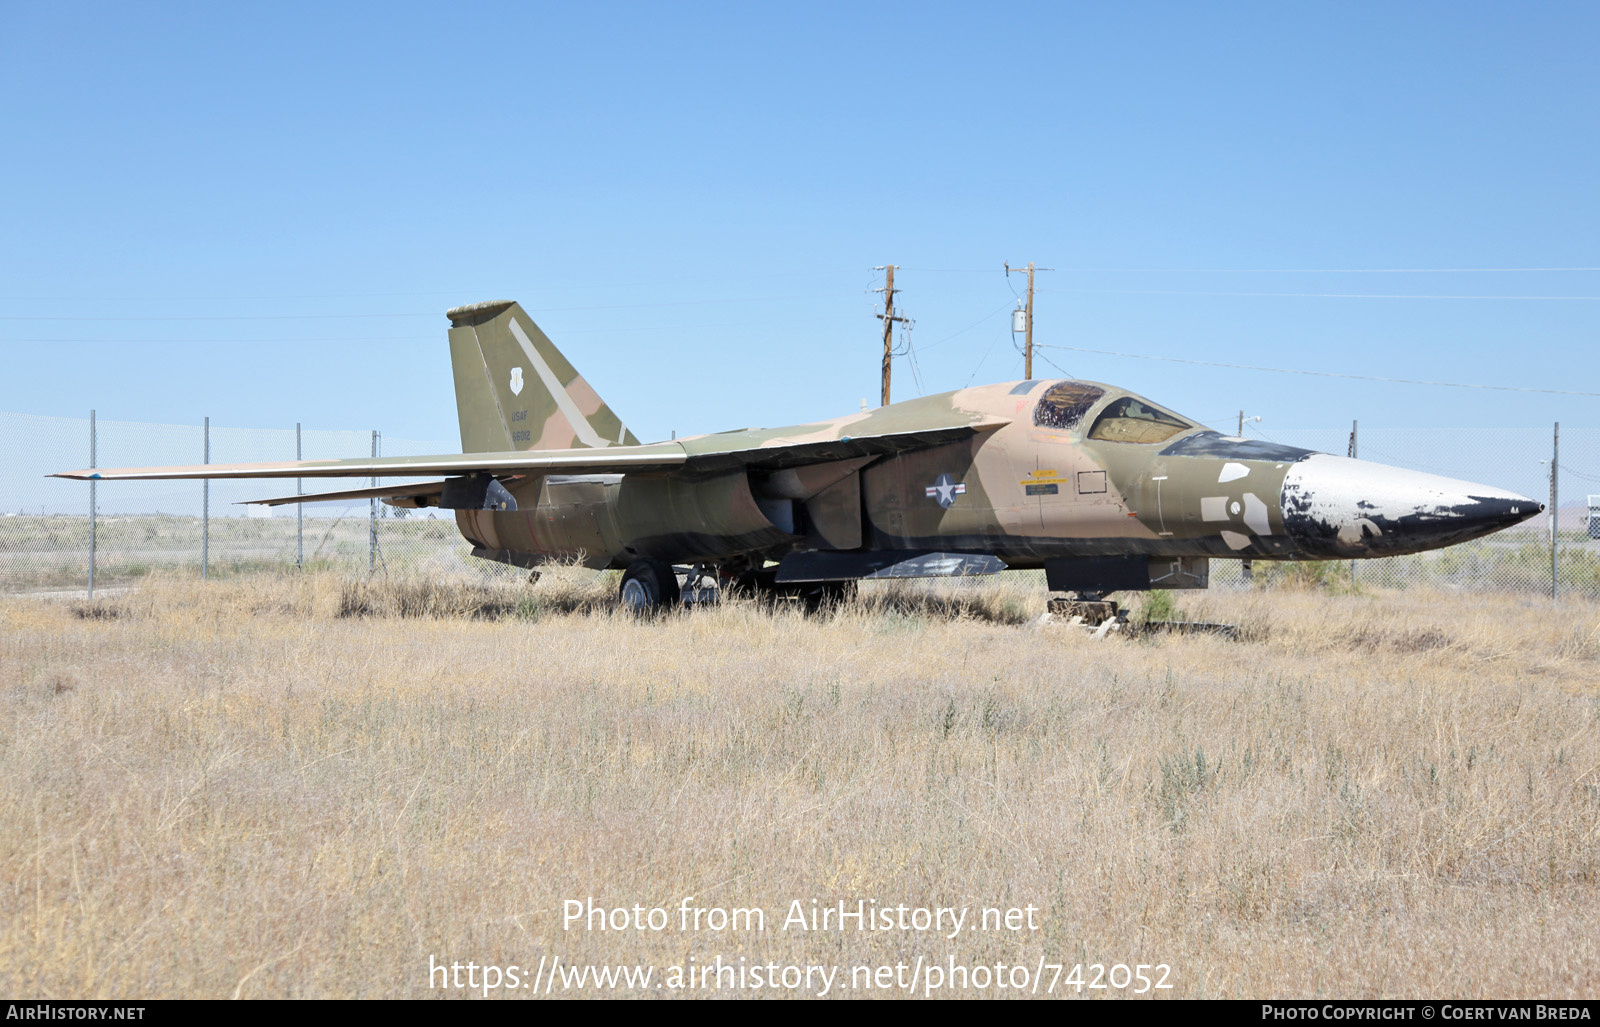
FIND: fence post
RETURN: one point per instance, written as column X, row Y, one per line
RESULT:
column 1353, row 425
column 1555, row 513
column 372, row 516
column 94, row 509
column 299, row 509
column 205, row 512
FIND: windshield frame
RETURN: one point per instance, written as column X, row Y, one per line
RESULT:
column 1092, row 413
column 1092, row 419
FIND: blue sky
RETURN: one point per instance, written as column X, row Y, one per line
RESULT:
column 260, row 213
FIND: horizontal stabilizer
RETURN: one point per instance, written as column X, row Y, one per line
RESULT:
column 426, row 488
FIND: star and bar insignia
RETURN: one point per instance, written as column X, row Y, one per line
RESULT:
column 946, row 489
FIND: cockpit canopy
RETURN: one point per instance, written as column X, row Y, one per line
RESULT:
column 1131, row 419
column 1126, row 418
column 1064, row 404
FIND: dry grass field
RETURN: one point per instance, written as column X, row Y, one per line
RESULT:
column 281, row 786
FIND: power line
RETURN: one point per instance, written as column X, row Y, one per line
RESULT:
column 911, row 358
column 317, row 317
column 214, row 297
column 1320, row 295
column 953, row 270
column 1316, row 270
column 1055, row 365
column 714, row 324
column 1003, row 307
column 690, row 303
column 984, row 358
column 228, row 342
column 788, row 297
column 1269, row 270
column 216, row 317
column 222, row 298
column 1320, row 374
column 412, row 338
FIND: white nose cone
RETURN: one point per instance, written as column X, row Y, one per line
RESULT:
column 1334, row 506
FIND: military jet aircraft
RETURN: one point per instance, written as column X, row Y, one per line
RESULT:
column 1103, row 489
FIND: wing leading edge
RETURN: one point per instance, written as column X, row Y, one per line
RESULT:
column 754, row 448
column 618, row 459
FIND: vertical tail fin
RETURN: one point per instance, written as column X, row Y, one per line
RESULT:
column 514, row 389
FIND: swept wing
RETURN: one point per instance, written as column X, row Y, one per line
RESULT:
column 766, row 449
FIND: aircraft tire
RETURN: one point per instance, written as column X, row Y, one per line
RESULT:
column 648, row 585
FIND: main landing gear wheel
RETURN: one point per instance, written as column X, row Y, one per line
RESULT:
column 648, row 585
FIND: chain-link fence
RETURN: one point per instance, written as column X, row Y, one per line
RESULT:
column 47, row 533
column 48, row 537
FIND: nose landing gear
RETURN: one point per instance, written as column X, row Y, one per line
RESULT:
column 1090, row 610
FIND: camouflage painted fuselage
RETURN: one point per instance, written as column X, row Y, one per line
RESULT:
column 1101, row 487
column 1026, row 492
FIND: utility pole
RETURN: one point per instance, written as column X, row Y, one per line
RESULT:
column 1027, row 353
column 889, row 317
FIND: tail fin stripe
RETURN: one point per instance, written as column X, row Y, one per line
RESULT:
column 580, row 424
